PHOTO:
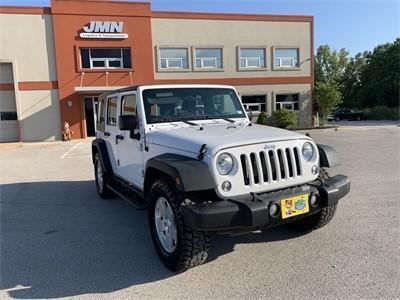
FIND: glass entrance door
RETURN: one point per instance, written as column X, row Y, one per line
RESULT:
column 90, row 105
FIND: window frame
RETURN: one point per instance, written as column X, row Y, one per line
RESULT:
column 239, row 58
column 105, row 59
column 283, row 68
column 148, row 110
column 123, row 103
column 158, row 59
column 247, row 105
column 208, row 69
column 107, row 110
column 288, row 102
column 101, row 112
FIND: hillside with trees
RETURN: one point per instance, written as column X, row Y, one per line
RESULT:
column 369, row 81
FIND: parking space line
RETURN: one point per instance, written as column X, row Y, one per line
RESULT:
column 79, row 156
column 70, row 150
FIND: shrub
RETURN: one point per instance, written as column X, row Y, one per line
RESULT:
column 262, row 119
column 283, row 118
column 382, row 113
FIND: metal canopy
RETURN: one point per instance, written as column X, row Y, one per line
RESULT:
column 97, row 89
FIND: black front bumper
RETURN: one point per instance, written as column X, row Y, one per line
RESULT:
column 252, row 212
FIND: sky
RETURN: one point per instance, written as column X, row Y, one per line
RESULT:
column 356, row 25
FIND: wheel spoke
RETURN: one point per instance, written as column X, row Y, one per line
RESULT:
column 173, row 234
column 99, row 175
column 165, row 224
column 170, row 214
column 163, row 209
column 168, row 241
column 159, row 223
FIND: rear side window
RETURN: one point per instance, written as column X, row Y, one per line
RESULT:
column 101, row 114
column 112, row 111
column 129, row 105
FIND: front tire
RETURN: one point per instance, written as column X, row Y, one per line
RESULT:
column 178, row 246
column 101, row 179
column 315, row 221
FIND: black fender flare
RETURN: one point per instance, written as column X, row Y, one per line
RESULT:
column 328, row 156
column 99, row 146
column 188, row 174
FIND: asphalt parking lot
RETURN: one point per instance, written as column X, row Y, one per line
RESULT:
column 59, row 239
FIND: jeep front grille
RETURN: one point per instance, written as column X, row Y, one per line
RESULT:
column 270, row 166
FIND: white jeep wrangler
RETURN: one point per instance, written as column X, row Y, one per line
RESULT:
column 191, row 156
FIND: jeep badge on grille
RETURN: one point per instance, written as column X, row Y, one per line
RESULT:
column 270, row 147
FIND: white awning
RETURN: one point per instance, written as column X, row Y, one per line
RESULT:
column 96, row 89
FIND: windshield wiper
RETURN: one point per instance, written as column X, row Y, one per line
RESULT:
column 209, row 117
column 229, row 120
column 190, row 123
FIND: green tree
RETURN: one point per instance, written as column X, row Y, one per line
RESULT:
column 380, row 78
column 369, row 80
column 330, row 65
column 351, row 84
column 328, row 97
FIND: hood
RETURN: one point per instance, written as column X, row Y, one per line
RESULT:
column 219, row 136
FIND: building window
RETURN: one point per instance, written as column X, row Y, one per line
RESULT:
column 106, row 58
column 208, row 58
column 8, row 116
column 174, row 58
column 255, row 103
column 112, row 111
column 286, row 57
column 288, row 101
column 252, row 58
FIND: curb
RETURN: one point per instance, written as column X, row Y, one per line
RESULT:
column 314, row 128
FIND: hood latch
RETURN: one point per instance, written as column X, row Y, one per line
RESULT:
column 203, row 150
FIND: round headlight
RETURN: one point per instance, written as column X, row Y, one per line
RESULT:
column 307, row 151
column 224, row 163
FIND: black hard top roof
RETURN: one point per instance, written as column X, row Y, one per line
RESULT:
column 127, row 89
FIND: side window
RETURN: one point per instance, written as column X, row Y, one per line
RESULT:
column 101, row 115
column 112, row 111
column 129, row 105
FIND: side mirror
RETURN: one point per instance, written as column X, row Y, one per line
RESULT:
column 249, row 114
column 127, row 122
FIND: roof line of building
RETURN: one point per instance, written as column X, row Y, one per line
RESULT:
column 29, row 10
column 229, row 16
column 174, row 14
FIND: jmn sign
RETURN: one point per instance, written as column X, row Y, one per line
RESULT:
column 103, row 30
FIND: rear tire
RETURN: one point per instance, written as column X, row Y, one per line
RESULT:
column 186, row 248
column 101, row 179
column 315, row 221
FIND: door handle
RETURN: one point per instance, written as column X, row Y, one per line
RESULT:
column 118, row 137
column 106, row 133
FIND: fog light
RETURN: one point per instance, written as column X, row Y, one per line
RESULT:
column 226, row 186
column 314, row 169
column 274, row 210
column 314, row 200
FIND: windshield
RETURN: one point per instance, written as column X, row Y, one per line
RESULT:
column 184, row 104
